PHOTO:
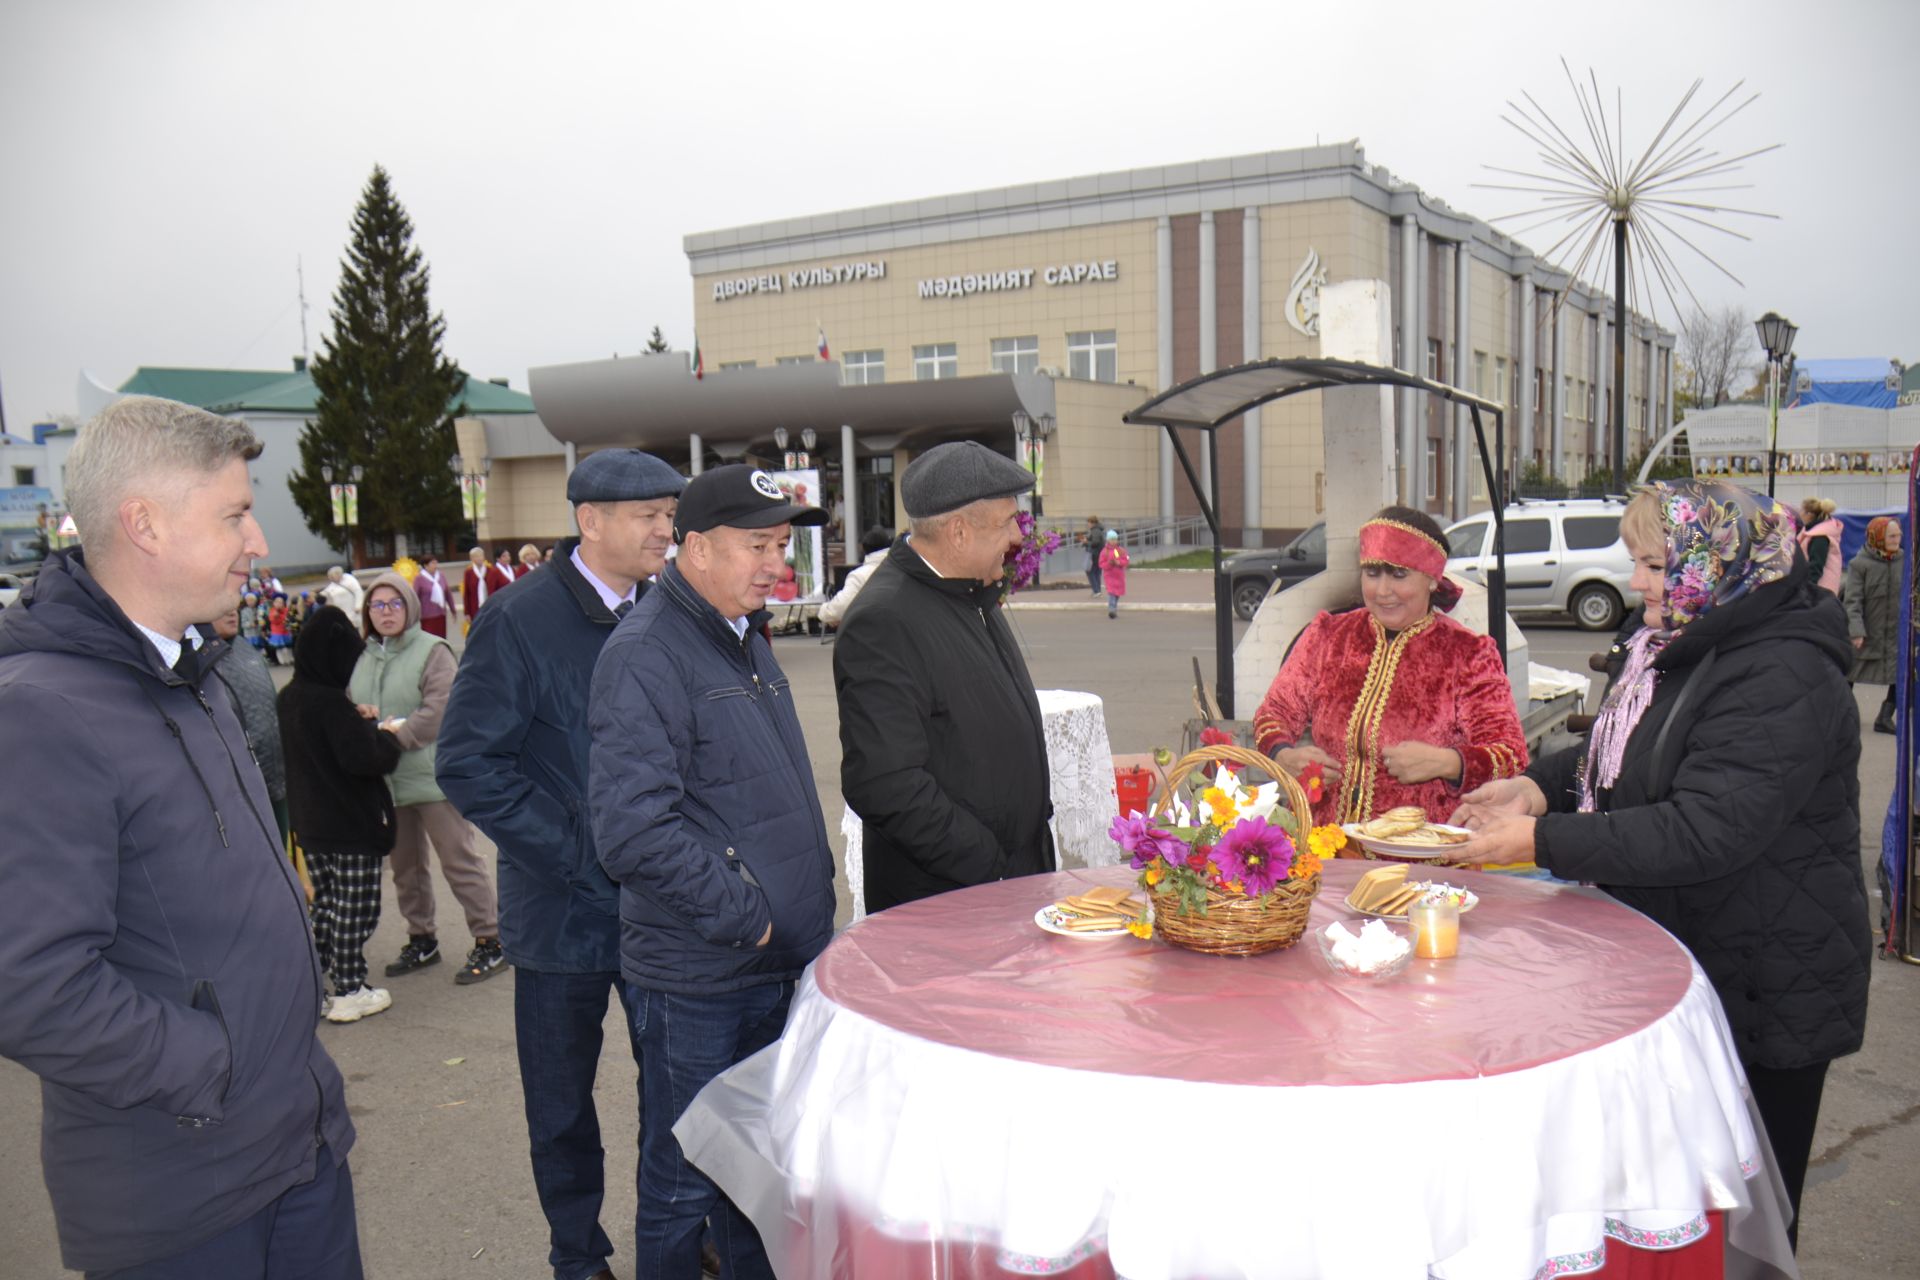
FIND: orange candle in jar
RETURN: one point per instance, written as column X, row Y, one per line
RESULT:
column 1436, row 930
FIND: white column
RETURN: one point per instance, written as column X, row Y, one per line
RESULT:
column 1599, row 421
column 850, row 526
column 1413, row 354
column 1209, row 332
column 1523, row 286
column 1557, row 449
column 1253, row 517
column 695, row 448
column 1163, row 327
column 1462, row 373
column 1666, row 424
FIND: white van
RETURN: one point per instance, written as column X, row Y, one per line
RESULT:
column 1562, row 557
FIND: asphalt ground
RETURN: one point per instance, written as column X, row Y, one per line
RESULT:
column 441, row 1171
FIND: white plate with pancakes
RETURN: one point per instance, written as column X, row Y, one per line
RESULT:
column 1098, row 913
column 1387, row 892
column 1405, row 833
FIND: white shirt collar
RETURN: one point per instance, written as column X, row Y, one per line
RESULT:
column 739, row 626
column 607, row 597
column 169, row 648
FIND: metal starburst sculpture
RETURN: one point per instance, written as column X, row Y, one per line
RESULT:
column 1672, row 192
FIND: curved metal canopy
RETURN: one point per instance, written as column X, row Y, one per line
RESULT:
column 1212, row 399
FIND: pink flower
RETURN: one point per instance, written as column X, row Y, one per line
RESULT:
column 1256, row 853
column 1138, row 836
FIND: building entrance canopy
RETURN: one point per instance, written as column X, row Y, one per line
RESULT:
column 653, row 402
column 1208, row 402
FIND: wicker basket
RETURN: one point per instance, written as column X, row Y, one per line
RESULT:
column 1234, row 925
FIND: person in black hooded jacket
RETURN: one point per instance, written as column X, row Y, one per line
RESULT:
column 341, row 809
column 942, row 750
column 1720, row 794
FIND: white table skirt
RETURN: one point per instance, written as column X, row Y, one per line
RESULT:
column 847, row 1120
column 1080, row 773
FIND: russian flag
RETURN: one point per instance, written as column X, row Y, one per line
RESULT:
column 823, row 345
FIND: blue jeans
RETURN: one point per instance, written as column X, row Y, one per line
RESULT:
column 557, row 1020
column 309, row 1233
column 1093, row 578
column 687, row 1041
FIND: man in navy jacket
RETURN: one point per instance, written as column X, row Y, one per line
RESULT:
column 160, row 979
column 513, row 759
column 704, row 810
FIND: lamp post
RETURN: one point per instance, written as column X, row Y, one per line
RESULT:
column 473, row 489
column 345, row 498
column 1030, row 435
column 1776, row 334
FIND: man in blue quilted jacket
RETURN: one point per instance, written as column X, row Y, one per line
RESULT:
column 705, row 813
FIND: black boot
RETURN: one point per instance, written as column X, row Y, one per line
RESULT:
column 1883, row 723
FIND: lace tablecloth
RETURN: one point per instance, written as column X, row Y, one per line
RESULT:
column 958, row 1090
column 1080, row 767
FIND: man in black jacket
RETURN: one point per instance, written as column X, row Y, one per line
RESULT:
column 942, row 753
column 513, row 759
column 159, row 977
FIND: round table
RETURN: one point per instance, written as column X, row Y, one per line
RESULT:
column 956, row 1084
column 1079, row 774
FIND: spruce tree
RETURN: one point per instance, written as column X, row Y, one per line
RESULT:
column 386, row 396
column 657, row 343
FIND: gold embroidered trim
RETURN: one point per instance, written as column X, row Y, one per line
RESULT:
column 1369, row 708
column 1407, row 528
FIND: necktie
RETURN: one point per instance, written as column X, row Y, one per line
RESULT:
column 622, row 609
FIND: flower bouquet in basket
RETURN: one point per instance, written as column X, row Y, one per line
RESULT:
column 1231, row 869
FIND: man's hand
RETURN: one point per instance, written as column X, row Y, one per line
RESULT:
column 1296, row 759
column 367, row 711
column 766, row 937
column 1859, row 642
column 1415, row 762
column 1501, row 798
column 1504, row 839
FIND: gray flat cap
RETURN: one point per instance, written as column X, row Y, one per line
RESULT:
column 623, row 475
column 949, row 476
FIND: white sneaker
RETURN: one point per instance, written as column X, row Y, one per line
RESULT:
column 356, row 1005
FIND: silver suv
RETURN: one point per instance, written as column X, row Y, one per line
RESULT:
column 1562, row 557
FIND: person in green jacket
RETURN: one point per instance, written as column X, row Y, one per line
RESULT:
column 403, row 681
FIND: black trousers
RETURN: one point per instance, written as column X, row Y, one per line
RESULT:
column 1789, row 1103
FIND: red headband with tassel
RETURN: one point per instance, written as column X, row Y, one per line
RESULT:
column 1391, row 542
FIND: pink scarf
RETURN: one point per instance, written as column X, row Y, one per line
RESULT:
column 1629, row 699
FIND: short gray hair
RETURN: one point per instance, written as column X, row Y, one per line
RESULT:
column 136, row 437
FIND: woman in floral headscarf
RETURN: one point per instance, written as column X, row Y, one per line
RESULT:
column 1720, row 793
column 1873, row 611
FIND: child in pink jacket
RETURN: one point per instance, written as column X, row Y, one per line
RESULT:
column 1113, row 571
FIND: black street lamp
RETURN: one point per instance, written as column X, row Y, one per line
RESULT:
column 473, row 489
column 1776, row 334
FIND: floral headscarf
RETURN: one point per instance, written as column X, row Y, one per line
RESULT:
column 1723, row 541
column 1877, row 537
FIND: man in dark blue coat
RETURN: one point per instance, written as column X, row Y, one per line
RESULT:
column 513, row 759
column 704, row 810
column 160, row 979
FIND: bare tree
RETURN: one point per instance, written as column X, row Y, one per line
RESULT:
column 1717, row 356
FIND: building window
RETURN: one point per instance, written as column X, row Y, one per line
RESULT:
column 1433, row 469
column 1018, row 355
column 1093, row 356
column 1433, row 361
column 24, row 476
column 1539, row 390
column 738, row 364
column 863, row 368
column 936, row 360
column 1480, row 387
column 1506, row 390
column 794, row 359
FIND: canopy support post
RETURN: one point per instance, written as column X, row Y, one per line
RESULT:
column 1222, row 603
column 1496, row 576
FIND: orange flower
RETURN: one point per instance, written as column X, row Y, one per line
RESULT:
column 1140, row 928
column 1305, row 863
column 1327, row 841
column 1156, row 874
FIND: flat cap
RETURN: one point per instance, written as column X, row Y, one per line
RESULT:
column 949, row 476
column 623, row 475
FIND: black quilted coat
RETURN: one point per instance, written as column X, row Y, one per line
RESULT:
column 1748, row 848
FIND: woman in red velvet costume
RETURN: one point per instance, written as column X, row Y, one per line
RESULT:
column 1402, row 705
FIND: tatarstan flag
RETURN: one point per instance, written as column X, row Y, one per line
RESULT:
column 699, row 365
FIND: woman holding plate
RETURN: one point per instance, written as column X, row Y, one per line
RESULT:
column 1403, row 705
column 1719, row 793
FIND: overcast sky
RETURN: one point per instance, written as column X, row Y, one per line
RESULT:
column 164, row 164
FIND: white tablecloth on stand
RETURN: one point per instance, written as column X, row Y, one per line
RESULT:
column 1080, row 768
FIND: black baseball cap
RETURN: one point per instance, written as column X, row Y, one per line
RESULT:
column 738, row 496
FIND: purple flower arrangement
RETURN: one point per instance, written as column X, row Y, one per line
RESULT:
column 1025, row 557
